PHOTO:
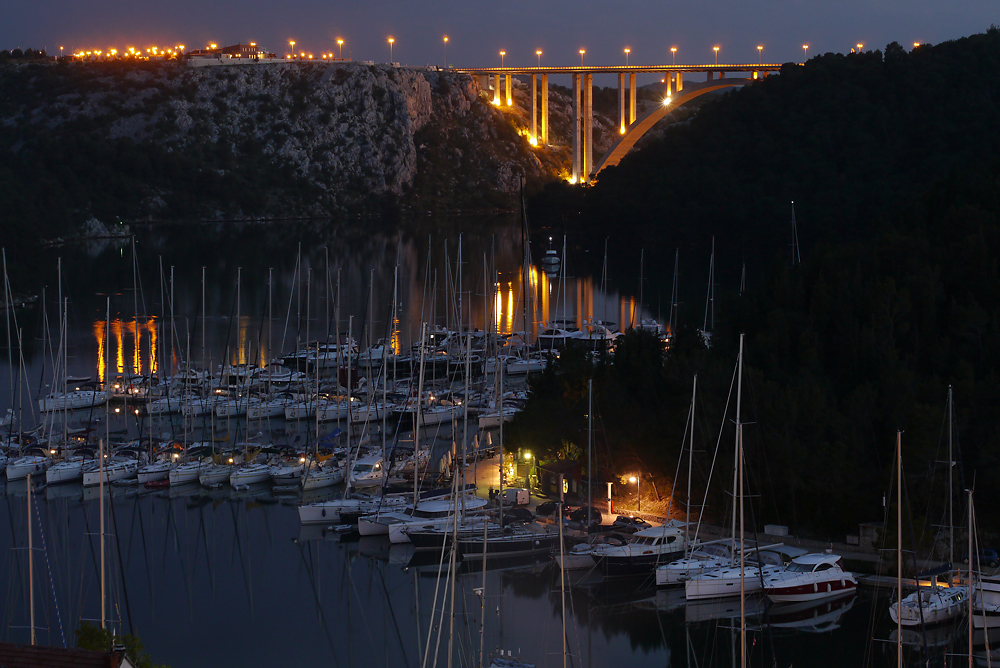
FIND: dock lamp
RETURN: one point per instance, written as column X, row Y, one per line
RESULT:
column 638, row 495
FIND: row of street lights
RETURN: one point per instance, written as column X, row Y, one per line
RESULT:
column 673, row 53
column 538, row 52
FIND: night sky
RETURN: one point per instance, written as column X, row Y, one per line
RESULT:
column 477, row 31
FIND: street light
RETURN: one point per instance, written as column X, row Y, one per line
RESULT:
column 638, row 495
column 859, row 45
column 582, row 51
column 716, row 49
column 340, row 45
column 627, row 51
column 446, row 52
column 502, row 54
column 673, row 55
column 538, row 52
column 760, row 55
column 392, row 41
column 805, row 52
column 291, row 43
column 916, row 44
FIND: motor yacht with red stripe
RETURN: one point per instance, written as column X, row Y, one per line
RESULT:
column 810, row 577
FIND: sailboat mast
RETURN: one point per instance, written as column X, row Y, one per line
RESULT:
column 694, row 391
column 31, row 569
column 951, row 494
column 673, row 295
column 590, row 446
column 100, row 491
column 739, row 466
column 970, row 553
column 899, row 547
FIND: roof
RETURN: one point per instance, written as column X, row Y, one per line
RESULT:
column 37, row 656
column 663, row 530
column 814, row 558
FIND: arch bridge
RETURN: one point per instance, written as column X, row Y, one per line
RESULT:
column 631, row 128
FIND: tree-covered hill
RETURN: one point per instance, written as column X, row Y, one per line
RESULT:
column 891, row 160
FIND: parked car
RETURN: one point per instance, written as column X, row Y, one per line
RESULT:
column 512, row 515
column 986, row 555
column 580, row 514
column 547, row 508
column 630, row 524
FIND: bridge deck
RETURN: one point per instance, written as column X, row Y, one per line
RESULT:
column 614, row 69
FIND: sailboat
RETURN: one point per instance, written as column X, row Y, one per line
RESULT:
column 935, row 602
column 747, row 575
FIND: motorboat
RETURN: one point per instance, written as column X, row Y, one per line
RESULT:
column 492, row 419
column 367, row 472
column 810, row 577
column 554, row 338
column 436, row 536
column 757, row 566
column 706, row 557
column 288, row 472
column 215, row 474
column 644, row 551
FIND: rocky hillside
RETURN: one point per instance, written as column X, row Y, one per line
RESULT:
column 160, row 141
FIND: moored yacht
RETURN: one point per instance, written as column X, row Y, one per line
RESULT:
column 645, row 550
column 810, row 577
column 757, row 566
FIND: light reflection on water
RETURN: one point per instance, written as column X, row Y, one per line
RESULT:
column 230, row 578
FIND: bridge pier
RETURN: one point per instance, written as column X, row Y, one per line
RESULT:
column 621, row 102
column 631, row 98
column 710, row 75
column 576, row 128
column 510, row 92
column 545, row 108
column 680, row 82
column 588, row 126
column 534, row 108
column 496, row 89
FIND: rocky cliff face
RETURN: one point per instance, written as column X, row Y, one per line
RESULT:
column 290, row 139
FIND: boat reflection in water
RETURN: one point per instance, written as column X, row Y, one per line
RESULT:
column 810, row 616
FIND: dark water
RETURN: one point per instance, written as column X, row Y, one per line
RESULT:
column 230, row 578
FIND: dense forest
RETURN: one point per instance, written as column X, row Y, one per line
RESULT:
column 891, row 159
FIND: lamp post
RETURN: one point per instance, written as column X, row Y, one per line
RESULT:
column 673, row 56
column 916, row 44
column 627, row 51
column 638, row 495
column 716, row 49
column 446, row 52
column 340, row 45
column 582, row 51
column 538, row 52
column 502, row 54
column 805, row 52
column 760, row 55
column 391, row 42
column 291, row 43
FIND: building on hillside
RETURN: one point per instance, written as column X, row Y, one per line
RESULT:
column 236, row 54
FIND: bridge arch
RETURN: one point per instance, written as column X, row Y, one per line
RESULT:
column 644, row 124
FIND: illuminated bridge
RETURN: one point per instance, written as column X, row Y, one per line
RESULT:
column 630, row 127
